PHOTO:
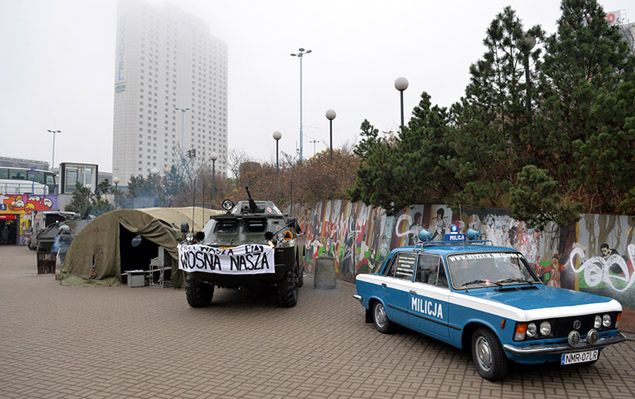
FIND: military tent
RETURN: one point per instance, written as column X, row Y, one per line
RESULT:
column 128, row 239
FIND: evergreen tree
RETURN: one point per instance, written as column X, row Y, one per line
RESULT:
column 535, row 200
column 492, row 122
column 587, row 85
column 81, row 201
column 375, row 182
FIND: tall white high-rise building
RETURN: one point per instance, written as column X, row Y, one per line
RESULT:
column 170, row 90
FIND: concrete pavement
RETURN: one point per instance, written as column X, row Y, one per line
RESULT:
column 120, row 342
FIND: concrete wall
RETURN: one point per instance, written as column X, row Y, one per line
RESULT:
column 360, row 237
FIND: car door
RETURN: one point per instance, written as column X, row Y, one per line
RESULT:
column 396, row 286
column 429, row 296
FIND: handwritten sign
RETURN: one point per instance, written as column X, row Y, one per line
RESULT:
column 242, row 259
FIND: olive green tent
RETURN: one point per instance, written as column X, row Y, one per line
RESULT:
column 127, row 239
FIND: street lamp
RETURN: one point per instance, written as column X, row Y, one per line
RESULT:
column 300, row 54
column 115, row 181
column 192, row 154
column 330, row 115
column 313, row 142
column 53, row 157
column 183, row 111
column 529, row 42
column 277, row 136
column 401, row 84
column 213, row 157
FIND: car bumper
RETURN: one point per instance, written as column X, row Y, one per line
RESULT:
column 533, row 350
column 358, row 297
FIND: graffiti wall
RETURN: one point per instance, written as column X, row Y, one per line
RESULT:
column 602, row 256
column 16, row 214
column 595, row 255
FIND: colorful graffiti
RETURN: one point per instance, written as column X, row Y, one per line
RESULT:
column 20, row 209
column 360, row 237
column 27, row 204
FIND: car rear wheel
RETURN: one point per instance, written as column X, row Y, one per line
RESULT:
column 198, row 293
column 380, row 319
column 488, row 355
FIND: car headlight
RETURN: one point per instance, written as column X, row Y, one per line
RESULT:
column 598, row 322
column 545, row 328
column 532, row 330
column 606, row 320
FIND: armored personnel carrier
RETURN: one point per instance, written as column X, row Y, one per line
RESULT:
column 252, row 244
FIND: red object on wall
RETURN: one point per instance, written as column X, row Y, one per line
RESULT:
column 8, row 217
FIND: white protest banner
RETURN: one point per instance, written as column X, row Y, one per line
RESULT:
column 242, row 259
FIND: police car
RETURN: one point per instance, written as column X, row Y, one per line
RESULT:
column 473, row 295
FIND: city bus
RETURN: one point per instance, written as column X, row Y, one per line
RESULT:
column 26, row 180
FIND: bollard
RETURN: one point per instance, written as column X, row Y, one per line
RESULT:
column 324, row 272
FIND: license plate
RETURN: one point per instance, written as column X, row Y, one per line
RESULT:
column 579, row 357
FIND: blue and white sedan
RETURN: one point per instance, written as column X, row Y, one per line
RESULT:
column 471, row 294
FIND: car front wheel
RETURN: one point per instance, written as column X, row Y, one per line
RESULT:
column 380, row 318
column 488, row 355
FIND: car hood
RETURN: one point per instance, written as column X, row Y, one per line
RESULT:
column 539, row 297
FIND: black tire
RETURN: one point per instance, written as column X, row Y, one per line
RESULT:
column 380, row 319
column 288, row 290
column 198, row 293
column 488, row 355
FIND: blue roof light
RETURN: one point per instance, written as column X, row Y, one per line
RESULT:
column 425, row 235
column 473, row 234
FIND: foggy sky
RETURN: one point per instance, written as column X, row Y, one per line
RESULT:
column 58, row 59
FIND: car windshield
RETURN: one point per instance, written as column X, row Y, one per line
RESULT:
column 489, row 269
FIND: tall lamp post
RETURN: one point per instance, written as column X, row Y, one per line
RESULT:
column 314, row 142
column 213, row 157
column 54, row 132
column 300, row 54
column 529, row 43
column 401, row 84
column 115, row 181
column 277, row 136
column 330, row 115
column 192, row 154
column 183, row 111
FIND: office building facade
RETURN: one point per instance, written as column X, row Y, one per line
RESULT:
column 170, row 91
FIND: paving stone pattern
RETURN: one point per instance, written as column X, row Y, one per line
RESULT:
column 120, row 342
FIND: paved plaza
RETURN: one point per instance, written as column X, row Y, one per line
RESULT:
column 120, row 342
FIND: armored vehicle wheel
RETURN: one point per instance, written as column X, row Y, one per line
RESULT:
column 380, row 319
column 488, row 355
column 198, row 293
column 288, row 290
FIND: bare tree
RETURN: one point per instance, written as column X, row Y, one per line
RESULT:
column 235, row 159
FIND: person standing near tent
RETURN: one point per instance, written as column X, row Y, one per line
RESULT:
column 62, row 242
